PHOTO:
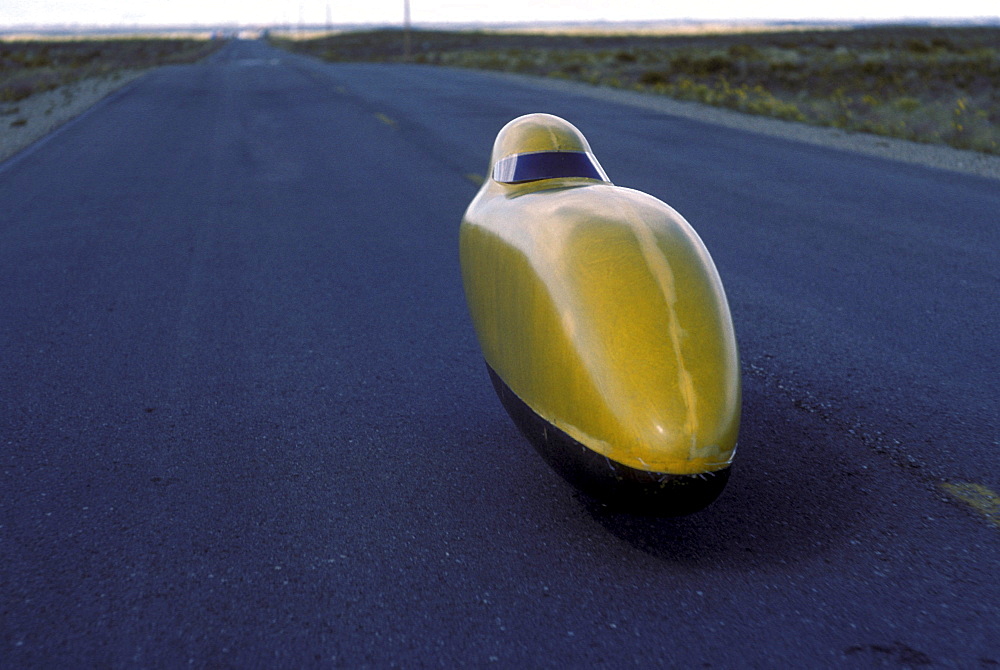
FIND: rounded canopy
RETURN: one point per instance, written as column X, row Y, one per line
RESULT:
column 542, row 146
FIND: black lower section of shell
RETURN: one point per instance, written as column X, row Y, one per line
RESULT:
column 619, row 486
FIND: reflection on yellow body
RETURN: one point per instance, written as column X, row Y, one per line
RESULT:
column 602, row 319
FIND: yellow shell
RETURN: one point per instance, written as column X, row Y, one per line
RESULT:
column 600, row 309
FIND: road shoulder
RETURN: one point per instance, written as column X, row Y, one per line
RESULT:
column 928, row 155
column 26, row 121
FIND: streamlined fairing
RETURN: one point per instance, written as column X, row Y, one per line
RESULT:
column 603, row 322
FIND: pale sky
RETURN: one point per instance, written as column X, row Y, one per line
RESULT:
column 253, row 12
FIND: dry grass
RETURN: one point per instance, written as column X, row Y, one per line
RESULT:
column 935, row 85
column 33, row 66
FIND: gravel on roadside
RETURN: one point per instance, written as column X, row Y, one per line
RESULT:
column 929, row 155
column 26, row 121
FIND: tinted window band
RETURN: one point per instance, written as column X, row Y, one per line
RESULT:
column 547, row 165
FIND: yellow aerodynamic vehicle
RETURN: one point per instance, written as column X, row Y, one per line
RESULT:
column 603, row 322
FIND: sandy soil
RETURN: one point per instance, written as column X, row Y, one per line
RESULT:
column 28, row 120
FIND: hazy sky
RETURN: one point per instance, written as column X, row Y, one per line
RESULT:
column 158, row 12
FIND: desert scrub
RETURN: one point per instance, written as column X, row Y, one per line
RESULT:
column 939, row 85
column 33, row 66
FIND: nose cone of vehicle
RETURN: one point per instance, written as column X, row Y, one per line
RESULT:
column 540, row 147
column 535, row 133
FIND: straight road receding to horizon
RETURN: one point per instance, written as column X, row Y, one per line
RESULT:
column 246, row 422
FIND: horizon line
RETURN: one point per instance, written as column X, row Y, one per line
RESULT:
column 460, row 25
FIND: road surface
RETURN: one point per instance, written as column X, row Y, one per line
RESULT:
column 245, row 421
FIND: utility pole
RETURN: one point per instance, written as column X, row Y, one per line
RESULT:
column 406, row 30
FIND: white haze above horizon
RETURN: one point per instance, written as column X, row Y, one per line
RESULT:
column 319, row 12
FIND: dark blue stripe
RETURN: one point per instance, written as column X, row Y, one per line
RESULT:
column 546, row 165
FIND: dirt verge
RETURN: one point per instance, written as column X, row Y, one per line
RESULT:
column 929, row 155
column 28, row 120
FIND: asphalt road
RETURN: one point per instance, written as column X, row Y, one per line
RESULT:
column 244, row 421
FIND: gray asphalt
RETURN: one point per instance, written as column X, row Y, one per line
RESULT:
column 245, row 421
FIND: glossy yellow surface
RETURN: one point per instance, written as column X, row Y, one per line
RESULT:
column 600, row 307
